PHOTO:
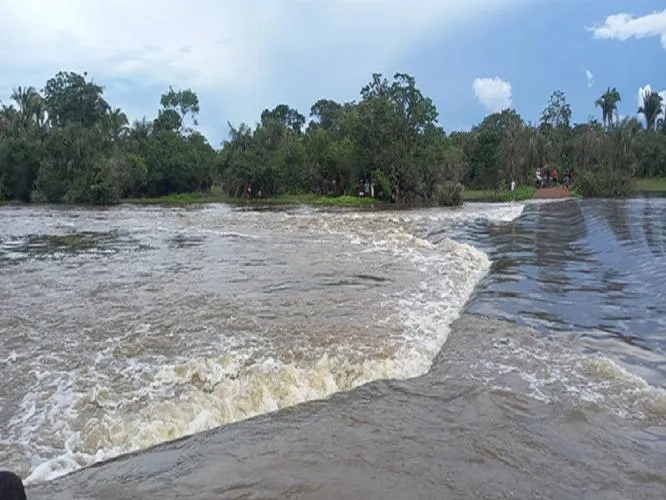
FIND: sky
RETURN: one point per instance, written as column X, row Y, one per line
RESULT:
column 471, row 57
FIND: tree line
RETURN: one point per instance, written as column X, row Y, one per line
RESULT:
column 67, row 144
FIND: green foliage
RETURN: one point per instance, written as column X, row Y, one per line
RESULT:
column 449, row 194
column 657, row 185
column 217, row 196
column 608, row 104
column 70, row 146
column 67, row 144
column 652, row 109
column 389, row 141
column 70, row 98
column 611, row 161
column 606, row 182
column 557, row 113
column 383, row 184
column 19, row 164
column 500, row 195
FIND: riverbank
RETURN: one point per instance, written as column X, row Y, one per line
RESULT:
column 217, row 196
column 522, row 193
column 498, row 196
column 653, row 185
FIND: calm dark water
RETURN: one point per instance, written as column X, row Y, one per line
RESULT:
column 550, row 385
column 595, row 269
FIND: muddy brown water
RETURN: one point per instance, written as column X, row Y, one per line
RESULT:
column 494, row 351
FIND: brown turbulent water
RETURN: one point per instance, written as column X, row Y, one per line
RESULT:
column 127, row 328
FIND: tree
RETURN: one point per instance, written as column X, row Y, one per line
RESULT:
column 70, row 98
column 483, row 151
column 390, row 129
column 286, row 116
column 9, row 121
column 556, row 126
column 327, row 113
column 117, row 124
column 176, row 107
column 30, row 108
column 558, row 112
column 651, row 109
column 513, row 153
column 68, row 145
column 608, row 104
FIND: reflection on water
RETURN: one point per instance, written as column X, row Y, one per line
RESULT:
column 596, row 268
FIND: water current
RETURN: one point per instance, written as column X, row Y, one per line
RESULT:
column 490, row 351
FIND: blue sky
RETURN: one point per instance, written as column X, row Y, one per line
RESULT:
column 241, row 56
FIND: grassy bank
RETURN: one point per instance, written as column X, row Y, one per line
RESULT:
column 499, row 196
column 654, row 185
column 217, row 196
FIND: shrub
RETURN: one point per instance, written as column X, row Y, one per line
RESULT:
column 449, row 194
column 606, row 182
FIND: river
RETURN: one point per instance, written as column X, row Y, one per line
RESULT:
column 489, row 351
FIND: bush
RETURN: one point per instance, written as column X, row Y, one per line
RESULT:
column 449, row 194
column 604, row 183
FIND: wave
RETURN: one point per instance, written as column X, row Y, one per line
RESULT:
column 499, row 353
column 176, row 398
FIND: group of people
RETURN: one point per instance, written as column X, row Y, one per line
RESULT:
column 549, row 177
column 366, row 188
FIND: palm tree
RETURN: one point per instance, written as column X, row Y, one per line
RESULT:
column 141, row 129
column 30, row 107
column 8, row 120
column 239, row 138
column 608, row 104
column 651, row 109
column 117, row 123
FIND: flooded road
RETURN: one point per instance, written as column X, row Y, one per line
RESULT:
column 131, row 327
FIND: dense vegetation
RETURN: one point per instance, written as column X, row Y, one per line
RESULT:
column 67, row 144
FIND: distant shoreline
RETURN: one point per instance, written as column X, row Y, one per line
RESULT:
column 655, row 185
column 216, row 195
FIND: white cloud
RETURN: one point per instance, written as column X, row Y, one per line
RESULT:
column 493, row 93
column 239, row 55
column 590, row 78
column 625, row 26
column 208, row 43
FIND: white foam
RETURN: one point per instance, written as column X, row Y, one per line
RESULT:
column 553, row 371
column 208, row 393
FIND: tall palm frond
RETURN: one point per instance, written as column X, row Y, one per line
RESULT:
column 651, row 109
column 608, row 104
